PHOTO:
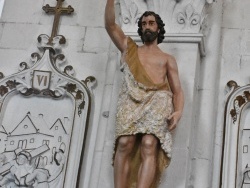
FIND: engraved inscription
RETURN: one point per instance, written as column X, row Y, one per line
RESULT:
column 41, row 79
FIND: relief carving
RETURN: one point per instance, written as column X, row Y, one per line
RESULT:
column 178, row 15
column 189, row 18
column 43, row 111
column 236, row 154
column 44, row 114
column 9, row 85
column 130, row 14
column 34, row 153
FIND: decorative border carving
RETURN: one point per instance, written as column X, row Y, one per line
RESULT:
column 238, row 99
column 189, row 18
column 179, row 38
column 178, row 15
column 78, row 95
column 45, row 76
column 10, row 84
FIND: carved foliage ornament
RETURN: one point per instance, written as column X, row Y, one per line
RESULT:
column 132, row 14
column 10, row 84
column 189, row 18
column 178, row 15
column 238, row 102
column 78, row 94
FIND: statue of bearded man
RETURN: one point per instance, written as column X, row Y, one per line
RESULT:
column 150, row 103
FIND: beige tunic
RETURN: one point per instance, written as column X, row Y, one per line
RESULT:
column 143, row 108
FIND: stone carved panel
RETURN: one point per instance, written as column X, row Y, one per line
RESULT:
column 180, row 16
column 43, row 121
column 236, row 154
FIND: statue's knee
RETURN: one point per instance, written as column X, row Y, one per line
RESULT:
column 125, row 144
column 149, row 145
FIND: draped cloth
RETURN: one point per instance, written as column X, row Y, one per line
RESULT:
column 143, row 108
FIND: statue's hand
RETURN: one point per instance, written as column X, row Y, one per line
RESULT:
column 173, row 120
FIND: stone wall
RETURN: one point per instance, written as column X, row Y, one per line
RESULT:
column 86, row 49
column 198, row 138
column 234, row 65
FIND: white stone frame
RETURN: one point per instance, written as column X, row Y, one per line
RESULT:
column 51, row 62
column 231, row 174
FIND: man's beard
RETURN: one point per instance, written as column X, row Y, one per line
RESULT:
column 149, row 36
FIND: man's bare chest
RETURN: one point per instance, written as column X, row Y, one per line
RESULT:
column 155, row 67
column 152, row 61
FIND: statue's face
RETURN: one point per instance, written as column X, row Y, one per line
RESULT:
column 149, row 28
column 21, row 159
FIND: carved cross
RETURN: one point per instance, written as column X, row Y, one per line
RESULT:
column 57, row 10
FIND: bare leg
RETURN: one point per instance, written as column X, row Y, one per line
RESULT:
column 121, row 162
column 148, row 167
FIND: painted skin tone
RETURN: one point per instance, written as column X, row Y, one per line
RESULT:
column 158, row 65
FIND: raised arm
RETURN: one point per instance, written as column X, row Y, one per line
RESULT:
column 178, row 97
column 114, row 30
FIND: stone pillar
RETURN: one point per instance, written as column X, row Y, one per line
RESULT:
column 205, row 167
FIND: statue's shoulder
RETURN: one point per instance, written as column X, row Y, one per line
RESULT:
column 169, row 57
column 130, row 42
column 170, row 60
column 131, row 46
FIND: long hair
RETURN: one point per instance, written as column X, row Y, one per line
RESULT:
column 159, row 23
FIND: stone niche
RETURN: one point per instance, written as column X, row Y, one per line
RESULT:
column 236, row 154
column 44, row 113
column 186, row 25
